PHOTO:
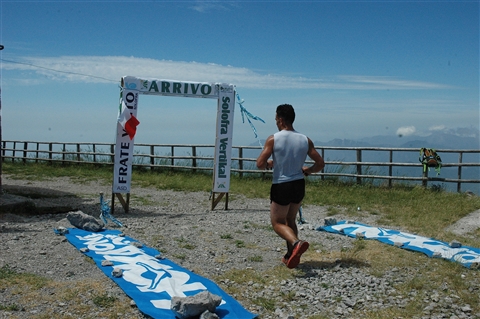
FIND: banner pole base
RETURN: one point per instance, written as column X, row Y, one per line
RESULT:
column 125, row 203
column 217, row 200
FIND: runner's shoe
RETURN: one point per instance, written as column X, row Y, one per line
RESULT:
column 285, row 259
column 298, row 249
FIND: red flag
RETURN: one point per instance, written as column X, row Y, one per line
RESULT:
column 131, row 126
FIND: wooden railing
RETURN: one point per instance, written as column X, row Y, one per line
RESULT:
column 357, row 164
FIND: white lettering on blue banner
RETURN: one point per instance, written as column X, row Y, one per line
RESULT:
column 467, row 256
column 150, row 282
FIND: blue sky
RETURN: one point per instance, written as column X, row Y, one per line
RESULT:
column 351, row 69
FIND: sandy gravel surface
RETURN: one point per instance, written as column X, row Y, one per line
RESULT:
column 181, row 226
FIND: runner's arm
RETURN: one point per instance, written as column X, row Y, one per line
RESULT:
column 318, row 164
column 263, row 161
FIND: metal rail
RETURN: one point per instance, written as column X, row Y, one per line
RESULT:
column 358, row 164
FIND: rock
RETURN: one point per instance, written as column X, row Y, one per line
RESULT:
column 349, row 303
column 330, row 221
column 117, row 272
column 193, row 306
column 455, row 244
column 61, row 231
column 84, row 221
column 466, row 308
column 137, row 244
column 338, row 311
column 63, row 223
column 475, row 265
column 208, row 315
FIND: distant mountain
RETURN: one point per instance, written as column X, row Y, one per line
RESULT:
column 440, row 140
column 343, row 143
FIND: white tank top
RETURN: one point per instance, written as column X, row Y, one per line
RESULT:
column 290, row 150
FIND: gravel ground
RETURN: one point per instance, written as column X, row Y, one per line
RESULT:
column 166, row 220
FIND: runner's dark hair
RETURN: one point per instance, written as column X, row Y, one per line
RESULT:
column 286, row 112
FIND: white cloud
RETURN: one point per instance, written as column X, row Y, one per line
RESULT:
column 437, row 128
column 391, row 82
column 211, row 5
column 98, row 69
column 406, row 130
column 458, row 131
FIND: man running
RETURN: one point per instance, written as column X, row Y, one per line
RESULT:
column 289, row 150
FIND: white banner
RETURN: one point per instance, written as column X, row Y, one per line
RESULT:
column 223, row 141
column 171, row 88
column 122, row 175
column 132, row 87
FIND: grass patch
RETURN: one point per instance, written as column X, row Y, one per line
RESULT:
column 143, row 200
column 7, row 272
column 10, row 307
column 180, row 256
column 104, row 300
column 352, row 255
column 255, row 258
column 240, row 244
column 8, row 277
column 250, row 225
column 268, row 304
column 183, row 243
column 79, row 295
column 44, row 171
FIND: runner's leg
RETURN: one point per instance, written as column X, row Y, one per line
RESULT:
column 282, row 221
column 291, row 222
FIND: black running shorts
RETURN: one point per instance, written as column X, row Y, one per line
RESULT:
column 289, row 192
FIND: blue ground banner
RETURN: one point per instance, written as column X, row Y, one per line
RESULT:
column 149, row 281
column 467, row 256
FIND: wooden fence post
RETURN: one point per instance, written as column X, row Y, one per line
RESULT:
column 78, row 154
column 240, row 161
column 390, row 168
column 13, row 151
column 322, row 152
column 50, row 152
column 460, row 159
column 152, row 160
column 25, row 147
column 425, row 176
column 112, row 151
column 64, row 150
column 194, row 158
column 359, row 166
column 36, row 154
